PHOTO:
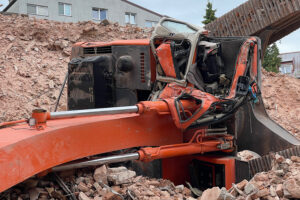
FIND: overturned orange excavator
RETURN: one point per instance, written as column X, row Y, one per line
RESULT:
column 178, row 106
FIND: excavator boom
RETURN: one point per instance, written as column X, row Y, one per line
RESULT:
column 71, row 135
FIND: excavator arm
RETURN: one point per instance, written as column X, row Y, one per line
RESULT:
column 51, row 139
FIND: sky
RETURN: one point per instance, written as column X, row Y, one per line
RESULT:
column 192, row 11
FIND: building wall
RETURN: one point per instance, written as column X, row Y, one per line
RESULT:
column 82, row 10
column 293, row 57
column 15, row 8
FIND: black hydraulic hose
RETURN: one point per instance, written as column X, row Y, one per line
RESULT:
column 61, row 91
column 219, row 117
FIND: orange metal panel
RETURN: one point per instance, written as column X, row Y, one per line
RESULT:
column 177, row 169
column 229, row 164
column 253, row 72
column 164, row 55
column 241, row 65
column 25, row 151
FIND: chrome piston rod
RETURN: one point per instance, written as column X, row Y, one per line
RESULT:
column 98, row 111
column 98, row 161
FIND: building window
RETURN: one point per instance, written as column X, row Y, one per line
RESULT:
column 37, row 10
column 99, row 13
column 286, row 68
column 130, row 18
column 150, row 24
column 64, row 9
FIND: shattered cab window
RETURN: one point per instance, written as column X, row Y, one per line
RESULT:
column 176, row 27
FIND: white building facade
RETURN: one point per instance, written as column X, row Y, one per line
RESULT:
column 121, row 11
column 290, row 64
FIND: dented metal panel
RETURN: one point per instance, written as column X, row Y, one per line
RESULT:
column 139, row 76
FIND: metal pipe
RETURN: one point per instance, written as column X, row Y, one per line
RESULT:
column 216, row 133
column 98, row 111
column 61, row 91
column 98, row 161
column 216, row 130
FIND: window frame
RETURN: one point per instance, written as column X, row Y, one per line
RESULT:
column 64, row 9
column 37, row 9
column 284, row 65
column 130, row 14
column 153, row 23
column 99, row 13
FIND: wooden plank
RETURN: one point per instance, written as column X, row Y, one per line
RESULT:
column 257, row 17
column 289, row 6
column 296, row 4
column 247, row 24
column 224, row 31
column 275, row 10
column 219, row 28
column 234, row 24
column 266, row 17
column 262, row 12
column 239, row 26
column 249, row 17
column 282, row 8
column 258, row 24
column 270, row 11
column 229, row 31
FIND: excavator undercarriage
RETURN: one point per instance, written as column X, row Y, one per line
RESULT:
column 178, row 106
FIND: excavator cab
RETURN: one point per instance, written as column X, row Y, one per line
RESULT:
column 174, row 44
column 186, row 55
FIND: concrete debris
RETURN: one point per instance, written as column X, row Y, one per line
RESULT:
column 216, row 193
column 122, row 177
column 83, row 196
column 100, row 174
column 291, row 189
column 89, row 186
column 247, row 155
column 262, row 185
column 249, row 188
column 120, row 183
column 241, row 185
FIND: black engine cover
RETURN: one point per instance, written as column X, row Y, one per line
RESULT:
column 91, row 83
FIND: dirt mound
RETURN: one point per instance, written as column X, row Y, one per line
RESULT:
column 34, row 57
column 281, row 95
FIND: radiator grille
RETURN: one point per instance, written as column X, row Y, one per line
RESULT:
column 142, row 63
column 97, row 50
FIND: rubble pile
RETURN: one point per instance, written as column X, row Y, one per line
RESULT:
column 281, row 182
column 117, row 183
column 120, row 183
column 281, row 95
column 34, row 59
